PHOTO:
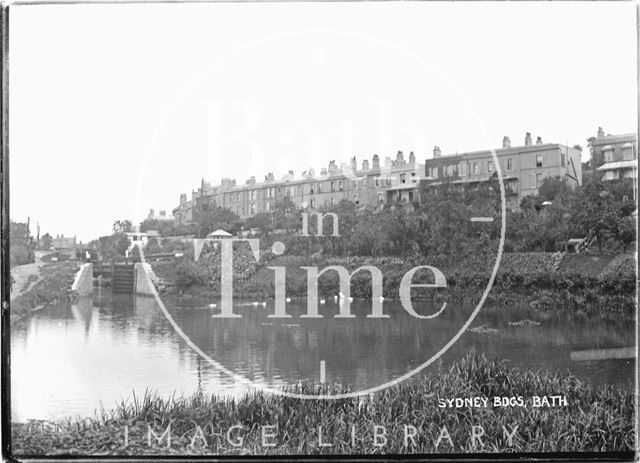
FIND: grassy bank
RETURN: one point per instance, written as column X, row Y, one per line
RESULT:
column 546, row 281
column 54, row 286
column 595, row 419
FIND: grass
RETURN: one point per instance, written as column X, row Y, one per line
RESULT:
column 54, row 286
column 595, row 419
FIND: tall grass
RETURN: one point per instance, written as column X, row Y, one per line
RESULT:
column 595, row 419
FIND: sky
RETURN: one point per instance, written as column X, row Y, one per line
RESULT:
column 117, row 109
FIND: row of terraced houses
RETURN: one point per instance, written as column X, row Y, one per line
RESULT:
column 398, row 180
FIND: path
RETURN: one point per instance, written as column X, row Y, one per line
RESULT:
column 21, row 275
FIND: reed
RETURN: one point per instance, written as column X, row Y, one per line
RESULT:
column 595, row 419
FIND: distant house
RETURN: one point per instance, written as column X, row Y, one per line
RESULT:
column 64, row 245
column 137, row 237
column 162, row 215
column 615, row 156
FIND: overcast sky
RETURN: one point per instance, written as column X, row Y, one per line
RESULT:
column 115, row 109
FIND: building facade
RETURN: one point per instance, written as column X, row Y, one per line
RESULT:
column 368, row 184
column 523, row 168
column 614, row 156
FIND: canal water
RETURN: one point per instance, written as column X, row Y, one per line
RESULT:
column 73, row 360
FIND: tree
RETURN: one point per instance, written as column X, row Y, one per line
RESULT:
column 188, row 274
column 46, row 241
column 122, row 226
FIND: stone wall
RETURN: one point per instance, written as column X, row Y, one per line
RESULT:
column 83, row 282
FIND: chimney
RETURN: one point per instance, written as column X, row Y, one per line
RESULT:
column 354, row 164
column 150, row 212
column 163, row 213
column 332, row 166
column 365, row 164
column 600, row 132
column 376, row 161
column 269, row 177
column 323, row 171
column 312, row 172
column 412, row 157
column 527, row 139
column 400, row 157
column 436, row 152
column 506, row 142
column 252, row 180
column 539, row 141
column 387, row 161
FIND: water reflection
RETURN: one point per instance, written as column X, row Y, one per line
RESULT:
column 69, row 360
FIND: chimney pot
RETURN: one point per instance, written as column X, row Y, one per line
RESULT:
column 527, row 139
column 539, row 141
column 506, row 142
column 436, row 152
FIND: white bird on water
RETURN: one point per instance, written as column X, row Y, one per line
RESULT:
column 322, row 301
column 213, row 306
column 335, row 298
column 255, row 304
column 288, row 299
column 264, row 304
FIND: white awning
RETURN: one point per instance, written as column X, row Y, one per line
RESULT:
column 631, row 163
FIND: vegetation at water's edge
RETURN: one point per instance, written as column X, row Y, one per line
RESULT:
column 55, row 286
column 595, row 419
column 545, row 281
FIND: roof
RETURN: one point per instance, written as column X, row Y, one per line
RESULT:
column 499, row 151
column 219, row 233
column 631, row 163
column 631, row 137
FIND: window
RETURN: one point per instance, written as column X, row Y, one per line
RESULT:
column 355, row 199
column 268, row 206
column 377, row 181
column 333, row 187
column 253, row 209
column 627, row 152
column 539, row 160
column 403, row 178
column 563, row 160
column 312, row 203
column 476, row 168
column 509, row 164
column 539, row 179
column 608, row 156
column 410, row 196
column 380, row 197
column 319, row 187
column 413, row 177
column 489, row 166
column 311, row 189
column 463, row 169
column 434, row 172
column 340, row 185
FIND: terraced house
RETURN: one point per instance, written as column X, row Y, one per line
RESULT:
column 523, row 167
column 614, row 156
column 371, row 183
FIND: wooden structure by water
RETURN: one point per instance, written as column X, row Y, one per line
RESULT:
column 121, row 274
